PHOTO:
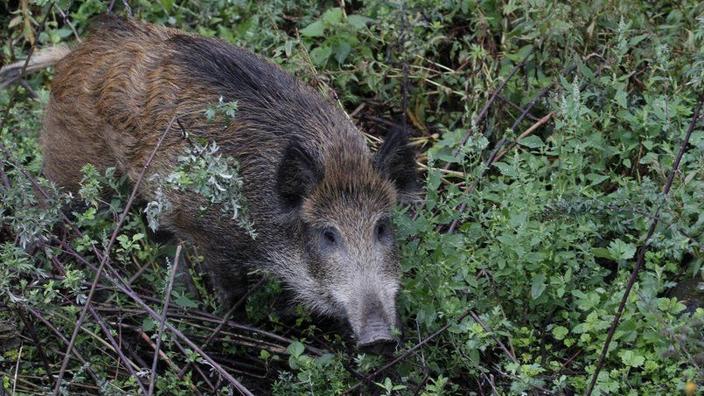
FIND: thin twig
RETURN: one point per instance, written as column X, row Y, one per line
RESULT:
column 485, row 109
column 404, row 82
column 95, row 336
column 185, row 352
column 64, row 17
column 539, row 96
column 200, row 315
column 128, row 364
column 157, row 352
column 194, row 314
column 163, row 356
column 238, row 339
column 130, row 293
column 491, row 383
column 108, row 334
column 517, row 107
column 121, row 285
column 164, row 311
column 422, row 383
column 492, row 157
column 17, row 369
column 640, row 258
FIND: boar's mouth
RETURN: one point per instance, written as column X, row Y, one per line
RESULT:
column 377, row 340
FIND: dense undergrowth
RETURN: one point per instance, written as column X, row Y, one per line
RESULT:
column 539, row 245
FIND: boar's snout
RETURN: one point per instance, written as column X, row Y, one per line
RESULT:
column 376, row 331
column 375, row 334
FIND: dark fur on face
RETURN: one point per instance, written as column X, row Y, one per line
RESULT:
column 320, row 201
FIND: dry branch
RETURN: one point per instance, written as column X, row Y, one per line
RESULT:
column 164, row 311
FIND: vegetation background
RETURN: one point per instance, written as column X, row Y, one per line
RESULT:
column 546, row 132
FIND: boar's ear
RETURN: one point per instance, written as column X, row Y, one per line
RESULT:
column 297, row 175
column 396, row 161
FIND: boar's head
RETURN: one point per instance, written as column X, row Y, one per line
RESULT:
column 342, row 200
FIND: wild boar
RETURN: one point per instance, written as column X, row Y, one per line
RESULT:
column 319, row 199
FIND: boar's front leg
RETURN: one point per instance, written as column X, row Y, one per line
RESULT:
column 225, row 250
column 227, row 275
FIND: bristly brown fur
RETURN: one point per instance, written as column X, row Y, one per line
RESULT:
column 304, row 164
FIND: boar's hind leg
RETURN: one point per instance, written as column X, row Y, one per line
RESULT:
column 68, row 144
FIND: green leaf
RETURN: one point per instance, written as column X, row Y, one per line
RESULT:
column 537, row 286
column 315, row 29
column 358, row 21
column 649, row 158
column 518, row 56
column 670, row 305
column 602, row 253
column 332, row 16
column 559, row 332
column 343, row 49
column 182, row 300
column 320, row 55
column 288, row 47
column 167, row 4
column 446, row 154
column 148, row 324
column 434, row 179
column 632, row 359
column 621, row 98
column 636, row 40
column 506, row 169
column 596, row 179
column 621, row 250
column 296, row 348
column 325, row 359
column 264, row 355
column 531, row 141
column 587, row 301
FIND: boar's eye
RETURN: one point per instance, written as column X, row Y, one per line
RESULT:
column 330, row 237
